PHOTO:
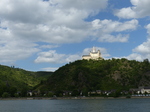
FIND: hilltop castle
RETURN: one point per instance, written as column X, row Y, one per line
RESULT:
column 93, row 55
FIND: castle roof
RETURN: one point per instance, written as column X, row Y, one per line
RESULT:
column 93, row 54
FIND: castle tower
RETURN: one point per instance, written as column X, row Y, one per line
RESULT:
column 93, row 49
column 93, row 55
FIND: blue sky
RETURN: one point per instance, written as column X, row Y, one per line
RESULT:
column 39, row 35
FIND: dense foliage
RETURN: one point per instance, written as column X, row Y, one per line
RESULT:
column 81, row 76
column 112, row 74
column 14, row 80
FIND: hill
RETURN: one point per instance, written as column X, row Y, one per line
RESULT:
column 13, row 79
column 105, row 75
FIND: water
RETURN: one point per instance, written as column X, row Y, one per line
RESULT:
column 88, row 105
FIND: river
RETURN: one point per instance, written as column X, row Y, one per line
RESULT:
column 76, row 105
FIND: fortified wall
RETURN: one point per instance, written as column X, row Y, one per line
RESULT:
column 93, row 55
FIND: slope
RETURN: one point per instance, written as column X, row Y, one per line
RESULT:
column 112, row 74
column 16, row 79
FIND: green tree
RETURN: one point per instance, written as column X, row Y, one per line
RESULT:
column 50, row 94
column 16, row 95
column 12, row 91
column 75, row 93
column 5, row 95
column 24, row 91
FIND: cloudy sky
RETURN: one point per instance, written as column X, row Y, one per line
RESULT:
column 39, row 35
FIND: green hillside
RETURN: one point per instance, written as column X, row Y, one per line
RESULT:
column 114, row 74
column 13, row 79
column 76, row 77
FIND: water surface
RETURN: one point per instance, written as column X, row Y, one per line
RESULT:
column 84, row 105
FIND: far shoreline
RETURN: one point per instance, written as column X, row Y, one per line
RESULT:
column 70, row 98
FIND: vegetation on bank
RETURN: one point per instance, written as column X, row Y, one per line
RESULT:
column 113, row 77
column 16, row 81
column 83, row 76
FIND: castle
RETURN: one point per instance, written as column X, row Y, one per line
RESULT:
column 93, row 55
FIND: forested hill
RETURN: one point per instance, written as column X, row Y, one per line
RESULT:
column 13, row 79
column 81, row 75
column 84, row 75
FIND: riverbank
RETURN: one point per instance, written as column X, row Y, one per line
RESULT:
column 66, row 98
column 57, row 98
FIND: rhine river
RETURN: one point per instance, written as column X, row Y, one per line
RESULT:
column 76, row 105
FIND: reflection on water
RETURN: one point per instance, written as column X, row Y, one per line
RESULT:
column 88, row 105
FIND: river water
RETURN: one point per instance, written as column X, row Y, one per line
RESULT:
column 78, row 105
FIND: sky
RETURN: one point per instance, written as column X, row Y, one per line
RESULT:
column 43, row 35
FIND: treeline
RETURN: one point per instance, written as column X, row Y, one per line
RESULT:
column 17, row 82
column 105, row 75
column 76, row 78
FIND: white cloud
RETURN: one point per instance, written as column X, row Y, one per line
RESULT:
column 53, row 57
column 111, row 38
column 56, row 21
column 13, row 50
column 103, row 51
column 109, row 26
column 142, row 51
column 135, row 56
column 26, row 11
column 50, row 69
column 92, row 6
column 126, row 13
column 22, row 23
column 104, row 28
column 71, row 58
column 25, row 23
column 144, row 48
column 49, row 46
column 139, row 9
column 50, row 56
column 148, row 28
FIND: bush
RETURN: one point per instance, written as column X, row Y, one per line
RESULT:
column 50, row 94
column 16, row 95
column 128, row 96
column 5, row 95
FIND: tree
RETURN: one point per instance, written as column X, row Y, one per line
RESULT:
column 146, row 61
column 12, row 91
column 5, row 95
column 16, row 95
column 24, row 92
column 50, row 94
column 75, row 93
column 2, row 87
